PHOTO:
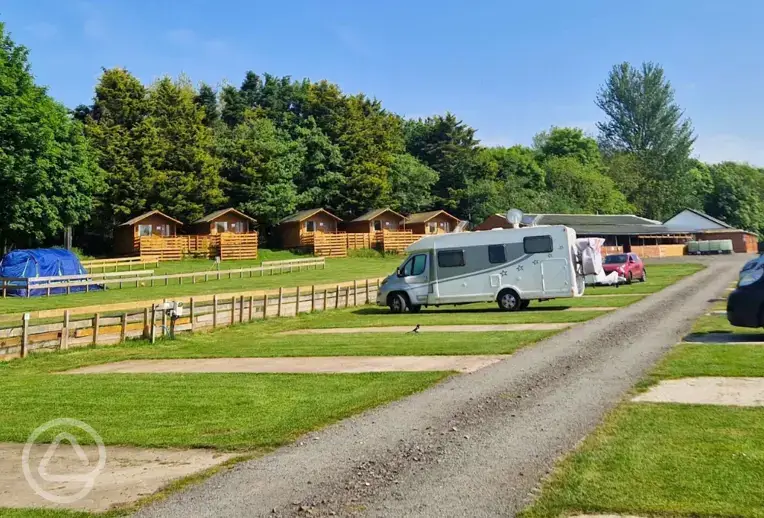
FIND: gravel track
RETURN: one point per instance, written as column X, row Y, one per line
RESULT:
column 476, row 445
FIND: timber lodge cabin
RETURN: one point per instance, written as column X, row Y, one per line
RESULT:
column 127, row 236
column 224, row 220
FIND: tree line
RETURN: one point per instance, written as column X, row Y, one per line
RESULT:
column 274, row 145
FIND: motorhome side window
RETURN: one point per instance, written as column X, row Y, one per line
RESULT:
column 450, row 258
column 414, row 266
column 538, row 244
column 496, row 254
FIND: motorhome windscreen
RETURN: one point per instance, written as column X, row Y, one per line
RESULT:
column 616, row 259
column 415, row 265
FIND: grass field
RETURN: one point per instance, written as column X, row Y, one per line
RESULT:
column 658, row 277
column 670, row 459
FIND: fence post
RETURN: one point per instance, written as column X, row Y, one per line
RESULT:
column 312, row 298
column 123, row 328
column 367, row 291
column 323, row 307
column 146, row 330
column 152, row 329
column 164, row 319
column 191, row 312
column 281, row 300
column 214, row 311
column 265, row 305
column 347, row 295
column 355, row 293
column 297, row 303
column 233, row 310
column 65, row 332
column 241, row 309
column 96, row 323
column 337, row 298
column 262, row 273
column 251, row 303
column 24, row 334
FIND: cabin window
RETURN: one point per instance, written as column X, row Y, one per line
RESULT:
column 221, row 226
column 414, row 266
column 163, row 230
column 144, row 230
column 377, row 224
column 538, row 244
column 310, row 226
column 450, row 258
column 445, row 225
column 433, row 227
column 238, row 227
column 496, row 254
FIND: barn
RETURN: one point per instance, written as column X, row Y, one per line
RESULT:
column 433, row 222
column 127, row 236
column 708, row 228
column 224, row 220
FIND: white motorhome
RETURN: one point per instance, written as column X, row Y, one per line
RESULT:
column 508, row 266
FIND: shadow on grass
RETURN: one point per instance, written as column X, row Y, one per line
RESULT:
column 531, row 309
column 720, row 336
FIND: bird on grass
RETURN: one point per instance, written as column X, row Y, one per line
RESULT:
column 415, row 330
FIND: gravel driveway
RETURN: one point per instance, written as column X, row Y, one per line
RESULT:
column 475, row 445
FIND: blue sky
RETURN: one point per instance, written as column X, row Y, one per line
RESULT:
column 508, row 68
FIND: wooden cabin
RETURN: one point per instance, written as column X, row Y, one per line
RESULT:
column 433, row 222
column 154, row 223
column 299, row 229
column 375, row 221
column 224, row 220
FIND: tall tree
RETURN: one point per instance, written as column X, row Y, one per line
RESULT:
column 47, row 174
column 737, row 196
column 188, row 175
column 643, row 118
column 411, row 184
column 207, row 100
column 574, row 187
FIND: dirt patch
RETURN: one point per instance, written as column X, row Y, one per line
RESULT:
column 726, row 338
column 429, row 329
column 312, row 364
column 129, row 473
column 707, row 391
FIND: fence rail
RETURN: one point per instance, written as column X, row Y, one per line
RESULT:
column 226, row 245
column 398, row 241
column 145, row 278
column 110, row 324
column 117, row 262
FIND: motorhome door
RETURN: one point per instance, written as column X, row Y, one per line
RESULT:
column 554, row 276
column 415, row 274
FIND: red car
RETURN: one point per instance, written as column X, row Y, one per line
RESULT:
column 629, row 266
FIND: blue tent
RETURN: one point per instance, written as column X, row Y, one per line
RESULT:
column 42, row 262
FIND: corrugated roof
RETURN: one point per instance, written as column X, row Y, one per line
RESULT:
column 623, row 230
column 705, row 216
column 424, row 217
column 375, row 213
column 305, row 214
column 136, row 219
column 571, row 220
column 212, row 215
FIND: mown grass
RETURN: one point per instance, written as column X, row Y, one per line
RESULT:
column 337, row 270
column 670, row 459
column 719, row 324
column 658, row 277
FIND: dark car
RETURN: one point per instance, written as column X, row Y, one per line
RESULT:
column 745, row 305
column 628, row 266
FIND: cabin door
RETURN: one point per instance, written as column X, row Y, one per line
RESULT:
column 555, row 277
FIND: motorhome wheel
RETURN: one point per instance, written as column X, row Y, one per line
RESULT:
column 397, row 303
column 509, row 300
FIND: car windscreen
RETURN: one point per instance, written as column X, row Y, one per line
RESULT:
column 615, row 259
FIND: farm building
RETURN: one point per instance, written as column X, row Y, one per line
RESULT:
column 154, row 223
column 433, row 222
column 299, row 229
column 708, row 228
column 224, row 220
column 622, row 232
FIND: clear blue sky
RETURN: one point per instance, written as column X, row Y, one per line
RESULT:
column 508, row 68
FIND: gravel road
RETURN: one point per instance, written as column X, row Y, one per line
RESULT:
column 478, row 444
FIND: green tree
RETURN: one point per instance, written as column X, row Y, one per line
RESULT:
column 207, row 100
column 643, row 118
column 259, row 165
column 737, row 196
column 520, row 182
column 187, row 174
column 320, row 181
column 574, row 187
column 572, row 142
column 47, row 174
column 411, row 184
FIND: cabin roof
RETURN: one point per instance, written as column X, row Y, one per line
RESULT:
column 374, row 213
column 145, row 215
column 212, row 215
column 302, row 215
column 424, row 217
column 573, row 220
column 704, row 216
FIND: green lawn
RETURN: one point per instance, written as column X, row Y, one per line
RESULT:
column 719, row 324
column 658, row 277
column 337, row 270
column 670, row 459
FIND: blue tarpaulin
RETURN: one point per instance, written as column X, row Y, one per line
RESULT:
column 42, row 262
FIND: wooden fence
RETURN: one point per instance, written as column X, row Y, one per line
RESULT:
column 330, row 245
column 356, row 241
column 226, row 246
column 109, row 324
column 145, row 278
column 119, row 262
column 398, row 241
